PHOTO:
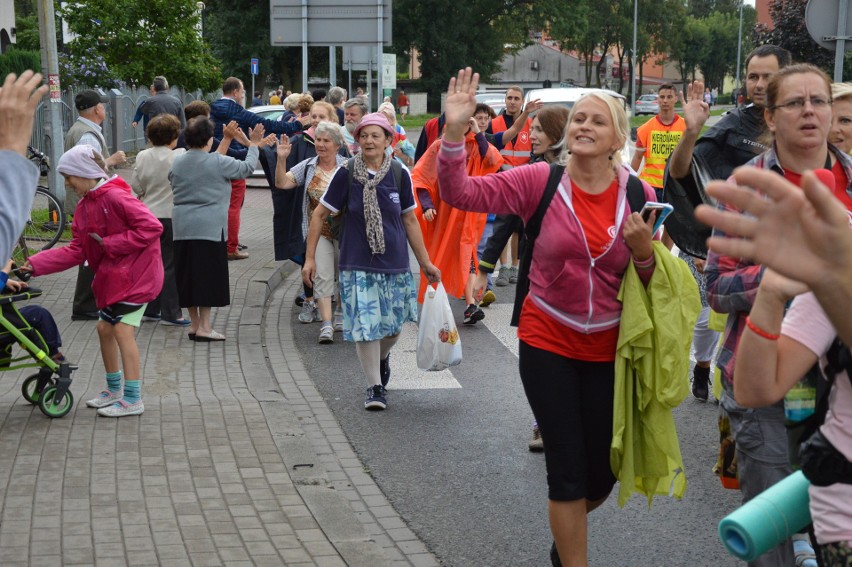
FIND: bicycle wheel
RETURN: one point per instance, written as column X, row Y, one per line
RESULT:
column 46, row 223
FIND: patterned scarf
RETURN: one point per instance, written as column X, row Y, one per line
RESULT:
column 372, row 213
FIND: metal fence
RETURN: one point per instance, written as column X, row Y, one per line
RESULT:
column 118, row 129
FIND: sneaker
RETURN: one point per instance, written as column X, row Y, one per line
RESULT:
column 536, row 444
column 803, row 551
column 338, row 322
column 513, row 275
column 122, row 408
column 326, row 336
column 384, row 370
column 487, row 298
column 105, row 398
column 309, row 312
column 182, row 322
column 151, row 318
column 701, row 383
column 503, row 276
column 473, row 314
column 375, row 398
column 300, row 299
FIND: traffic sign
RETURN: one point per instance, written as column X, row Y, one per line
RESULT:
column 255, row 66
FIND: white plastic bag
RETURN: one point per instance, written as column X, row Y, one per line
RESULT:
column 438, row 342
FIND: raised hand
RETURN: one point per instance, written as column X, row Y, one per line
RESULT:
column 269, row 140
column 695, row 110
column 532, row 106
column 460, row 104
column 256, row 134
column 230, row 129
column 19, row 98
column 241, row 137
column 284, row 147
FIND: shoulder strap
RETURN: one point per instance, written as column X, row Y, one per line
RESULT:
column 635, row 194
column 531, row 230
column 396, row 170
column 533, row 226
column 350, row 167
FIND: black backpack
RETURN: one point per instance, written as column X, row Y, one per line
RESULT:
column 821, row 462
column 635, row 198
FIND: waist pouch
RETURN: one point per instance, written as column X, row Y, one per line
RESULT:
column 822, row 463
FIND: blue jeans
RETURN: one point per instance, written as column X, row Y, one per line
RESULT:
column 486, row 234
column 42, row 321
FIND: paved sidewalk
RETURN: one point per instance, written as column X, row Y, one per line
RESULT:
column 237, row 459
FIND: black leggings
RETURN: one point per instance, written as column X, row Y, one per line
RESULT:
column 572, row 402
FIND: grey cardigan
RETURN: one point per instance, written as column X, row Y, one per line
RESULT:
column 201, row 183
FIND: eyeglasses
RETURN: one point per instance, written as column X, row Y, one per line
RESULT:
column 798, row 104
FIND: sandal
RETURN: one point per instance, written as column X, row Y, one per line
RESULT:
column 214, row 336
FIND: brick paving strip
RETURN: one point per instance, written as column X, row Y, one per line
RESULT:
column 236, row 461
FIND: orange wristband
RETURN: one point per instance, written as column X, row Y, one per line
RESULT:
column 760, row 332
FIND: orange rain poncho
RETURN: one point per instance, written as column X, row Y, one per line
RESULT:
column 453, row 235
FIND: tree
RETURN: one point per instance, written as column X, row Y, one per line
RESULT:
column 789, row 31
column 689, row 46
column 720, row 58
column 450, row 34
column 138, row 40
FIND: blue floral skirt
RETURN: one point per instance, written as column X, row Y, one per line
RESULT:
column 376, row 305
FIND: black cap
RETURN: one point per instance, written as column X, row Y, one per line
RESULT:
column 88, row 99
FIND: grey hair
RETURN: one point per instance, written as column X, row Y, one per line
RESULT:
column 335, row 95
column 160, row 84
column 359, row 102
column 330, row 129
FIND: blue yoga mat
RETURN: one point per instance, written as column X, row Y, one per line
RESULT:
column 770, row 518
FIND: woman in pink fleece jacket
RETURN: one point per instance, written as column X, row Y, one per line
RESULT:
column 120, row 239
column 568, row 327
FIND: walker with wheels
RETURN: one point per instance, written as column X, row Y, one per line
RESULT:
column 49, row 388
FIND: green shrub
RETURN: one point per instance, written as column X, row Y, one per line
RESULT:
column 17, row 61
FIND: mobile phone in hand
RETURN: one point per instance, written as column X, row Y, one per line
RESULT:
column 663, row 210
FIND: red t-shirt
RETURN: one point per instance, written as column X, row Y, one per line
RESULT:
column 596, row 214
column 840, row 183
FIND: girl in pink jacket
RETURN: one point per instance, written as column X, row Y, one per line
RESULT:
column 120, row 239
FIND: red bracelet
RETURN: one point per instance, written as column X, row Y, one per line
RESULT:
column 760, row 332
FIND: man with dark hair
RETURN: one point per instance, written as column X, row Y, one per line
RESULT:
column 256, row 101
column 516, row 151
column 318, row 94
column 762, row 453
column 230, row 107
column 162, row 103
column 733, row 140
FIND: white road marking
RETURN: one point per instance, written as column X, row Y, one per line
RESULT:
column 404, row 372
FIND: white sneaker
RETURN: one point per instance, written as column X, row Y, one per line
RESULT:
column 105, row 398
column 309, row 312
column 122, row 408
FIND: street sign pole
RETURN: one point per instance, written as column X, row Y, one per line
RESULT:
column 842, row 13
column 379, row 50
column 304, row 46
column 828, row 25
column 255, row 68
column 50, row 68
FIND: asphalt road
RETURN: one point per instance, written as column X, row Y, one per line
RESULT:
column 451, row 454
